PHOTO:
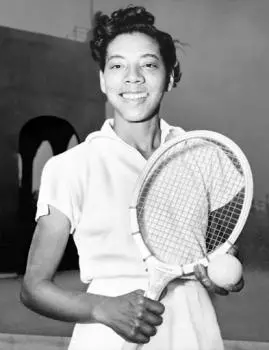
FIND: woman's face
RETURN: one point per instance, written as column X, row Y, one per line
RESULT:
column 134, row 78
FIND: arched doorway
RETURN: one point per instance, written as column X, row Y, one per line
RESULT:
column 40, row 138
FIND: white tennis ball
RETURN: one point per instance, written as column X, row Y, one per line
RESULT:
column 225, row 270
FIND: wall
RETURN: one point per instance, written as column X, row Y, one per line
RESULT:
column 53, row 17
column 40, row 75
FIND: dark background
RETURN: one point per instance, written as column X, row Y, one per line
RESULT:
column 48, row 87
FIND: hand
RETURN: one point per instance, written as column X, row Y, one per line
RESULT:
column 133, row 316
column 200, row 272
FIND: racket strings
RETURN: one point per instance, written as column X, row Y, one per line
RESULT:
column 163, row 207
column 190, row 181
column 223, row 221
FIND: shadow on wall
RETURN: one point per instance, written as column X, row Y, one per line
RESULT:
column 40, row 138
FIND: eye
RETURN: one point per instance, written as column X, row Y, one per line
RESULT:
column 150, row 65
column 116, row 66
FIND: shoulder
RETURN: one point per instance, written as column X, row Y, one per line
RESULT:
column 78, row 153
column 71, row 156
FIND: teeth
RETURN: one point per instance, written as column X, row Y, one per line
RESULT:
column 134, row 96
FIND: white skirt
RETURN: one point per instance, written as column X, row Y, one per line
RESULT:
column 189, row 319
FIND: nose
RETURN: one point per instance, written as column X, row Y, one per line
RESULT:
column 134, row 75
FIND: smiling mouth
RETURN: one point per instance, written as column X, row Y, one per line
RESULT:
column 133, row 95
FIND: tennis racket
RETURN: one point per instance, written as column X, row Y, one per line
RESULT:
column 190, row 204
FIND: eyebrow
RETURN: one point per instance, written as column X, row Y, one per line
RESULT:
column 143, row 56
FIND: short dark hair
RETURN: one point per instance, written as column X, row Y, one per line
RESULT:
column 130, row 20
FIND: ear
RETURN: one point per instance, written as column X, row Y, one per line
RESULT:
column 102, row 82
column 170, row 83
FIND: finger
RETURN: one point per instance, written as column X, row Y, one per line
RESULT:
column 201, row 274
column 212, row 287
column 141, row 339
column 142, row 332
column 237, row 287
column 138, row 337
column 154, row 306
column 151, row 318
column 147, row 329
column 219, row 290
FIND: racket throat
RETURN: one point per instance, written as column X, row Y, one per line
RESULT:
column 159, row 279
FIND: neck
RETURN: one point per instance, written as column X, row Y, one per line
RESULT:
column 144, row 136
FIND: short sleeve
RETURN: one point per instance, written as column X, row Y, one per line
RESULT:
column 56, row 190
column 226, row 181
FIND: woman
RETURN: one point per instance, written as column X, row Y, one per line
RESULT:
column 86, row 192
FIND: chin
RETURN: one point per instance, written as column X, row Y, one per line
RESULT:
column 139, row 119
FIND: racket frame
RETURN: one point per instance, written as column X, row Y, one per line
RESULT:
column 185, row 270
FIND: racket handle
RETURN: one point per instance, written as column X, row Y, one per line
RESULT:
column 131, row 346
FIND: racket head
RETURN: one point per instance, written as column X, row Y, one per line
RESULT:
column 167, row 221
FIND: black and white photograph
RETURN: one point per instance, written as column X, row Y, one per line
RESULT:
column 134, row 181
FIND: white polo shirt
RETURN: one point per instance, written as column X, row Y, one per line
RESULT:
column 92, row 185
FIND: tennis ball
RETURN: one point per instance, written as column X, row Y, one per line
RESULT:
column 225, row 270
